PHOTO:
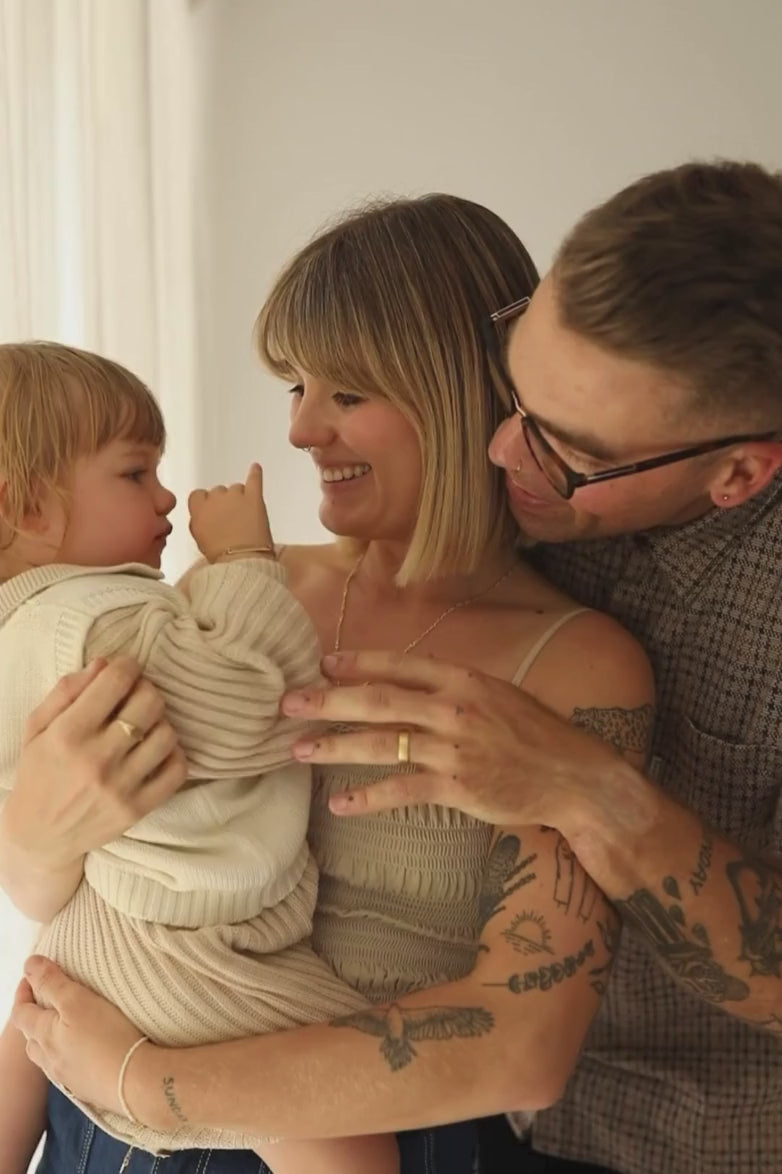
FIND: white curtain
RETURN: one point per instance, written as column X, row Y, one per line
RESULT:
column 97, row 215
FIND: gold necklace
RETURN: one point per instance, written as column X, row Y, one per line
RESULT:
column 443, row 615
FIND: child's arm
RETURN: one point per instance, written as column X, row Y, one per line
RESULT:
column 22, row 1104
column 223, row 656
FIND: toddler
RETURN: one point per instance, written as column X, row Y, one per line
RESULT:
column 196, row 921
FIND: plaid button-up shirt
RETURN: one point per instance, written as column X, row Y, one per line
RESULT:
column 668, row 1084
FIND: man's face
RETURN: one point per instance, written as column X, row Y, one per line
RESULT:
column 598, row 410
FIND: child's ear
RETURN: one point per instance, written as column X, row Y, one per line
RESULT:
column 44, row 521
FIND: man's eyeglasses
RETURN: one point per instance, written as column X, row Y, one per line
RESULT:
column 564, row 480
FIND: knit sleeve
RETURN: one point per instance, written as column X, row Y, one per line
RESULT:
column 222, row 657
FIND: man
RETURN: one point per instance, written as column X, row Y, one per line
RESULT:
column 647, row 375
column 647, row 372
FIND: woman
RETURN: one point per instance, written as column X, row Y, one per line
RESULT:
column 486, row 949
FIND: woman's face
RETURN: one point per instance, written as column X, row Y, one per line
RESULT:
column 368, row 458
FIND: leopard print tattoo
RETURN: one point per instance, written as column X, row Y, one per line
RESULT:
column 628, row 730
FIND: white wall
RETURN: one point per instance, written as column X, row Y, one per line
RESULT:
column 538, row 108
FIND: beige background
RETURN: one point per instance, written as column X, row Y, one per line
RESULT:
column 537, row 108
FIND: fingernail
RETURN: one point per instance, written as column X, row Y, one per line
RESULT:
column 303, row 749
column 341, row 803
column 331, row 662
column 295, row 702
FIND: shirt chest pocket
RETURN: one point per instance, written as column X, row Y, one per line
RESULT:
column 735, row 786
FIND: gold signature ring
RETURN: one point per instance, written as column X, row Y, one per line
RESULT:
column 133, row 733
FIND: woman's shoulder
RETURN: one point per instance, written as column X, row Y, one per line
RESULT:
column 594, row 672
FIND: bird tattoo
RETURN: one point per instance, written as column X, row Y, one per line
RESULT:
column 397, row 1027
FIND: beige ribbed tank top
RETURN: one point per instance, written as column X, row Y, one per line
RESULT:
column 398, row 895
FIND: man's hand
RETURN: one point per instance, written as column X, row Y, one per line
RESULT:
column 480, row 744
column 75, row 1036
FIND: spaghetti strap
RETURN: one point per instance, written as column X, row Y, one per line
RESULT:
column 541, row 642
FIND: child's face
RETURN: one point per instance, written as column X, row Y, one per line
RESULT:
column 117, row 509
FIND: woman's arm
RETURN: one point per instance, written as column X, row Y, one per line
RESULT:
column 504, row 1037
column 80, row 783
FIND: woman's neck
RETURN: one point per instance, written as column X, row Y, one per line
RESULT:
column 380, row 563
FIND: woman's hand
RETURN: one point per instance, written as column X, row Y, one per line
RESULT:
column 480, row 744
column 75, row 1036
column 98, row 755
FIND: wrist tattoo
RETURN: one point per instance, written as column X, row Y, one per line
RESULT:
column 627, row 730
column 169, row 1093
column 397, row 1027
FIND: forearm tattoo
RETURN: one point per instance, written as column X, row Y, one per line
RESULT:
column 609, row 935
column 550, row 975
column 528, row 933
column 758, row 892
column 506, row 871
column 703, row 866
column 397, row 1027
column 686, row 952
column 628, row 730
column 574, row 890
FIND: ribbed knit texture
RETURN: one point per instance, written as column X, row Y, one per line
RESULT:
column 398, row 898
column 196, row 921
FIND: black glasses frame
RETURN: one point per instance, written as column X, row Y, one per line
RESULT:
column 574, row 480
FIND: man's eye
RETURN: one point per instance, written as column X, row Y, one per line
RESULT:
column 135, row 474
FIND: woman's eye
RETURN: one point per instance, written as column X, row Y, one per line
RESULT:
column 297, row 389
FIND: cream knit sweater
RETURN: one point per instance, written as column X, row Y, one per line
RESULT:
column 196, row 921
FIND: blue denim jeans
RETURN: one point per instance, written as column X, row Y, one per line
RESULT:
column 74, row 1145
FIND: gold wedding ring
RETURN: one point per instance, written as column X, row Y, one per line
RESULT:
column 131, row 732
column 403, row 746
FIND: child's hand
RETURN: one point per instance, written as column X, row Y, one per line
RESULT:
column 226, row 518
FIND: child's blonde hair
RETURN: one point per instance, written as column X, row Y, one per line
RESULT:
column 58, row 403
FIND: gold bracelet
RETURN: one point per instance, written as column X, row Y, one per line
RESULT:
column 240, row 550
column 121, row 1078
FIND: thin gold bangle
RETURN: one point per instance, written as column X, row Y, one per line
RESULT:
column 121, row 1078
column 240, row 550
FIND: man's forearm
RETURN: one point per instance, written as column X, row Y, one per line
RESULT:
column 709, row 911
column 441, row 1055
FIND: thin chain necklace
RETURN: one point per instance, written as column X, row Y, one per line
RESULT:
column 443, row 615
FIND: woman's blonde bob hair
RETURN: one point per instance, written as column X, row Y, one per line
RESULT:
column 58, row 403
column 391, row 301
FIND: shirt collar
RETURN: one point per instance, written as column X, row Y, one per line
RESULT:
column 16, row 591
column 687, row 552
